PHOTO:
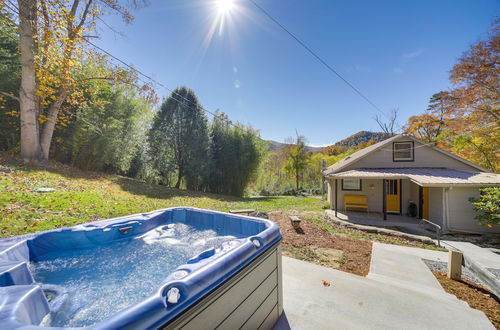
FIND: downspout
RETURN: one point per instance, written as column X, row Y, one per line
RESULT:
column 445, row 209
column 336, row 198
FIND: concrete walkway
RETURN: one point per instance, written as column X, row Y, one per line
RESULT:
column 398, row 293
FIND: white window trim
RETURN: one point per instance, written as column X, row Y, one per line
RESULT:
column 412, row 152
column 347, row 189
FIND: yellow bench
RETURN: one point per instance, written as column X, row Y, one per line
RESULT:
column 355, row 201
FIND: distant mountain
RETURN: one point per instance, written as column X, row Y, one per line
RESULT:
column 278, row 146
column 360, row 137
column 350, row 142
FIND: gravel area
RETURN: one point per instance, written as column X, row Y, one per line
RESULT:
column 443, row 268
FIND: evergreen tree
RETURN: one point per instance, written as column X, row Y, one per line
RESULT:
column 235, row 155
column 179, row 139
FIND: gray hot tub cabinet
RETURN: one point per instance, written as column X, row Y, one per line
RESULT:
column 251, row 299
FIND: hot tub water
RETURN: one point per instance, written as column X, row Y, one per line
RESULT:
column 86, row 286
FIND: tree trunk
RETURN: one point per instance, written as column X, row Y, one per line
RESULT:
column 30, row 142
column 50, row 124
column 297, row 180
column 179, row 179
column 178, row 183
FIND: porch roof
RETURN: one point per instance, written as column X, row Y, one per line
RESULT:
column 428, row 177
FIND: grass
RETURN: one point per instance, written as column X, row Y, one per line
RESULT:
column 304, row 253
column 81, row 197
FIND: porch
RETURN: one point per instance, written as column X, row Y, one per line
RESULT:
column 377, row 219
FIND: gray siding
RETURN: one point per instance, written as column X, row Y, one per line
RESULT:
column 436, row 206
column 252, row 299
column 461, row 214
column 424, row 157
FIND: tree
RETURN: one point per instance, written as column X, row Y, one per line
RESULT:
column 476, row 110
column 52, row 46
column 466, row 119
column 388, row 125
column 107, row 135
column 10, row 69
column 488, row 206
column 235, row 153
column 220, row 155
column 296, row 159
column 179, row 138
column 430, row 126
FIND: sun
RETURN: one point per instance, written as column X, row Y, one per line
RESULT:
column 224, row 6
column 223, row 15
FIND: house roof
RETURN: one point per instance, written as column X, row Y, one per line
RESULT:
column 358, row 155
column 427, row 177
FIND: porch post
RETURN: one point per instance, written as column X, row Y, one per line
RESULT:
column 336, row 194
column 420, row 202
column 384, row 198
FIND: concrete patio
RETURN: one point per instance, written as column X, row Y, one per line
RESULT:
column 400, row 292
column 377, row 219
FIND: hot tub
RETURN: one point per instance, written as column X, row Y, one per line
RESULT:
column 177, row 268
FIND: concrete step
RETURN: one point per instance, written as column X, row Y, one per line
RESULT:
column 355, row 302
column 405, row 265
column 439, row 294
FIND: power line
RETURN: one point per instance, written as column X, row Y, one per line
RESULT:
column 14, row 9
column 315, row 55
column 155, row 81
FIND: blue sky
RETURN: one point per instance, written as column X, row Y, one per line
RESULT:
column 397, row 52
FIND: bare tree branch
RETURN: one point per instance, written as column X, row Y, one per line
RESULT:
column 84, row 15
column 388, row 126
column 12, row 96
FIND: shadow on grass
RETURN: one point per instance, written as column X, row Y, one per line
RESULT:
column 68, row 171
column 137, row 187
column 131, row 185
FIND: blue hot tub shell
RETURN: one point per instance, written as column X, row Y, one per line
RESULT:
column 23, row 303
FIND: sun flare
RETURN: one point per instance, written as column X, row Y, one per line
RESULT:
column 224, row 6
column 224, row 14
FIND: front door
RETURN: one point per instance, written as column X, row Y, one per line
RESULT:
column 393, row 196
column 425, row 203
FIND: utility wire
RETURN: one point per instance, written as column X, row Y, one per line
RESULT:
column 155, row 81
column 15, row 9
column 315, row 55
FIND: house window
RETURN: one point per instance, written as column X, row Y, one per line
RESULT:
column 351, row 184
column 403, row 151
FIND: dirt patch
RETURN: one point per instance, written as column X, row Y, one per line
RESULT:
column 477, row 296
column 315, row 244
column 388, row 238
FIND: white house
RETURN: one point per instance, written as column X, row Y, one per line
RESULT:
column 386, row 177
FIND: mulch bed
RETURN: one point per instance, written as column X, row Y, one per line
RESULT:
column 477, row 296
column 356, row 253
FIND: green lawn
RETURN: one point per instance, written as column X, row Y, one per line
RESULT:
column 85, row 196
